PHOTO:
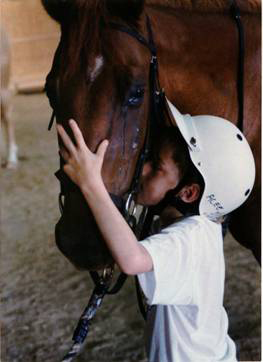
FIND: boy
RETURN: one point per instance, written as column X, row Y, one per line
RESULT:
column 210, row 167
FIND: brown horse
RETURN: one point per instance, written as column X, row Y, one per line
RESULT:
column 100, row 77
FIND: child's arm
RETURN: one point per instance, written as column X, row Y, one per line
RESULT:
column 84, row 168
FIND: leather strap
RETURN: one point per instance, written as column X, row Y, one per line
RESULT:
column 235, row 13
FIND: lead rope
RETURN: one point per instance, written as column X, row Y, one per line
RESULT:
column 88, row 314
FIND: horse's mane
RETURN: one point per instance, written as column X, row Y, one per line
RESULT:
column 246, row 6
column 82, row 29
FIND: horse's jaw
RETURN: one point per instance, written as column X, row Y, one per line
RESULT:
column 79, row 239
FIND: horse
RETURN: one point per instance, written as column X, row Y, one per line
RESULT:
column 6, row 94
column 100, row 77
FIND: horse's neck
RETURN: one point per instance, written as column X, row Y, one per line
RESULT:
column 197, row 54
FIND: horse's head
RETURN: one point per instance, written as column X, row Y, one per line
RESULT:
column 100, row 77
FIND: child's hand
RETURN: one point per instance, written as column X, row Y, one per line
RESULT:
column 82, row 165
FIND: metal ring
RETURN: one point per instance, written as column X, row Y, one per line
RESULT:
column 128, row 205
column 107, row 273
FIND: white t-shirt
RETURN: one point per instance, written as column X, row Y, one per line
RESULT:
column 186, row 287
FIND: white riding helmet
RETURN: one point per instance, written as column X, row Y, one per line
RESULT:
column 223, row 157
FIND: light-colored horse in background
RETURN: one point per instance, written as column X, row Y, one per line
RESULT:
column 6, row 95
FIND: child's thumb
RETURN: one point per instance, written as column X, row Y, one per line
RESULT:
column 102, row 148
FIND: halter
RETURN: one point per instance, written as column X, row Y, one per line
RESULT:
column 158, row 112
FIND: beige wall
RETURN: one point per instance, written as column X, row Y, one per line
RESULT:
column 34, row 37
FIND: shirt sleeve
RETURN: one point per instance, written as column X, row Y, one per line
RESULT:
column 171, row 281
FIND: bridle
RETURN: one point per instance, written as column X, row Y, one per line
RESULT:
column 157, row 115
column 126, row 203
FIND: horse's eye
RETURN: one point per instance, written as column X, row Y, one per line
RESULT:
column 136, row 97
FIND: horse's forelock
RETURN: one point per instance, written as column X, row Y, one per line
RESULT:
column 81, row 33
column 83, row 26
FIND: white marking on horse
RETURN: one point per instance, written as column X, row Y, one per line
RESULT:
column 97, row 68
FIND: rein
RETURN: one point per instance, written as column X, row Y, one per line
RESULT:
column 126, row 205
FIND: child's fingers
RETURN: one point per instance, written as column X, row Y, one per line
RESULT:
column 102, row 148
column 66, row 140
column 77, row 133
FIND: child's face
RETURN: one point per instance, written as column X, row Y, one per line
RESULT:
column 156, row 182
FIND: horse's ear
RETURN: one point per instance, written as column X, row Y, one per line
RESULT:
column 57, row 9
column 128, row 10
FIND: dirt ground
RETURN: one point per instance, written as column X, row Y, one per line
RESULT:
column 43, row 295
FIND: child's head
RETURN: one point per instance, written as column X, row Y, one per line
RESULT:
column 170, row 172
column 203, row 165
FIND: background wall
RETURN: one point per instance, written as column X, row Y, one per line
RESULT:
column 34, row 37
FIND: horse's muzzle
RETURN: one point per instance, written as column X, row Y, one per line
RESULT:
column 85, row 250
